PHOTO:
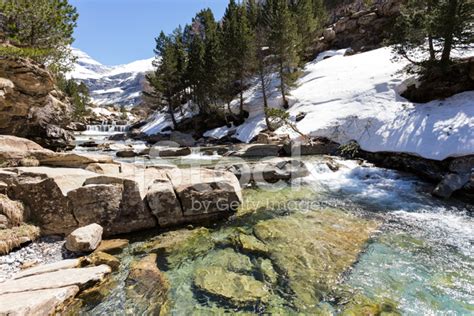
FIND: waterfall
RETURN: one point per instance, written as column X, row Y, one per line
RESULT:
column 108, row 128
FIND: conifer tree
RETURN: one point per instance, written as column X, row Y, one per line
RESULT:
column 165, row 82
column 434, row 28
column 284, row 42
column 237, row 50
column 41, row 24
column 306, row 23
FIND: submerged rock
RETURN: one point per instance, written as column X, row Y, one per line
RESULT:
column 146, row 288
column 313, row 250
column 98, row 257
column 239, row 290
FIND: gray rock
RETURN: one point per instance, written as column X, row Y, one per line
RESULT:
column 184, row 140
column 81, row 277
column 258, row 150
column 85, row 239
column 169, row 152
column 450, row 184
column 40, row 302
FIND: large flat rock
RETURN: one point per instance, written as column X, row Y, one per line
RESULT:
column 46, row 268
column 81, row 277
column 41, row 302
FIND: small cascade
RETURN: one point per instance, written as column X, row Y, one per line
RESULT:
column 108, row 128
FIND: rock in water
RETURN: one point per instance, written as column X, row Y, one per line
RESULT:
column 113, row 246
column 31, row 106
column 85, row 239
column 147, row 288
column 240, row 290
column 313, row 250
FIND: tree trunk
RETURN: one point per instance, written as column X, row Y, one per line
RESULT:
column 432, row 50
column 171, row 113
column 264, row 95
column 282, row 87
column 449, row 36
column 241, row 108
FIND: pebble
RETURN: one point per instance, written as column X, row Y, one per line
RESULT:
column 43, row 251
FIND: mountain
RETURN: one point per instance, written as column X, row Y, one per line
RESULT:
column 118, row 85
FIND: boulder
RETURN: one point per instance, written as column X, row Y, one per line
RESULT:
column 72, row 160
column 146, row 288
column 85, row 239
column 367, row 19
column 15, row 149
column 329, row 35
column 257, row 150
column 31, row 106
column 204, row 192
column 164, row 204
column 128, row 153
column 184, row 140
column 113, row 246
column 98, row 258
column 164, row 152
column 317, row 146
column 271, row 170
column 451, row 183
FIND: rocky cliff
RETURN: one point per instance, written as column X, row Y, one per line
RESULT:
column 359, row 25
column 31, row 105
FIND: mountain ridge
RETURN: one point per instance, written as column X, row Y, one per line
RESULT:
column 111, row 85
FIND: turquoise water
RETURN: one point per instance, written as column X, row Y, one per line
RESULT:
column 421, row 257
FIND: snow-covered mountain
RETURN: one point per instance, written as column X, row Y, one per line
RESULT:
column 111, row 85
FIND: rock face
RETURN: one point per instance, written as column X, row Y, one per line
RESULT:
column 359, row 26
column 257, row 150
column 122, row 198
column 318, row 146
column 85, row 239
column 31, row 106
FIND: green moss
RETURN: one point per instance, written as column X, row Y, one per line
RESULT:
column 363, row 306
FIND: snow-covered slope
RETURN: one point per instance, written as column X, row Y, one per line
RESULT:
column 355, row 98
column 121, row 85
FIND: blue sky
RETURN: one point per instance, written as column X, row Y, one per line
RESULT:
column 121, row 31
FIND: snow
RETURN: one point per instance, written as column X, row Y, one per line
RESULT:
column 161, row 120
column 219, row 132
column 356, row 98
column 101, row 112
column 108, row 91
column 121, row 85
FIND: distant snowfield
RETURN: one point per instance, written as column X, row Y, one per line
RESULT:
column 120, row 85
column 355, row 98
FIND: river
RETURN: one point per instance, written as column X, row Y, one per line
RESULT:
column 417, row 259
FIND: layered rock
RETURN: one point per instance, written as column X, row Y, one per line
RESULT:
column 31, row 106
column 44, row 290
column 122, row 198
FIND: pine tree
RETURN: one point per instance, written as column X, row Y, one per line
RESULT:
column 434, row 28
column 195, row 71
column 306, row 23
column 41, row 24
column 284, row 42
column 165, row 82
column 238, row 51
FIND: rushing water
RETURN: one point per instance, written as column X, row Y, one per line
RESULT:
column 420, row 259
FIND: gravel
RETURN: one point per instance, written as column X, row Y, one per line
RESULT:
column 43, row 251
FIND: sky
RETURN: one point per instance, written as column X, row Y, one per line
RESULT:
column 116, row 32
